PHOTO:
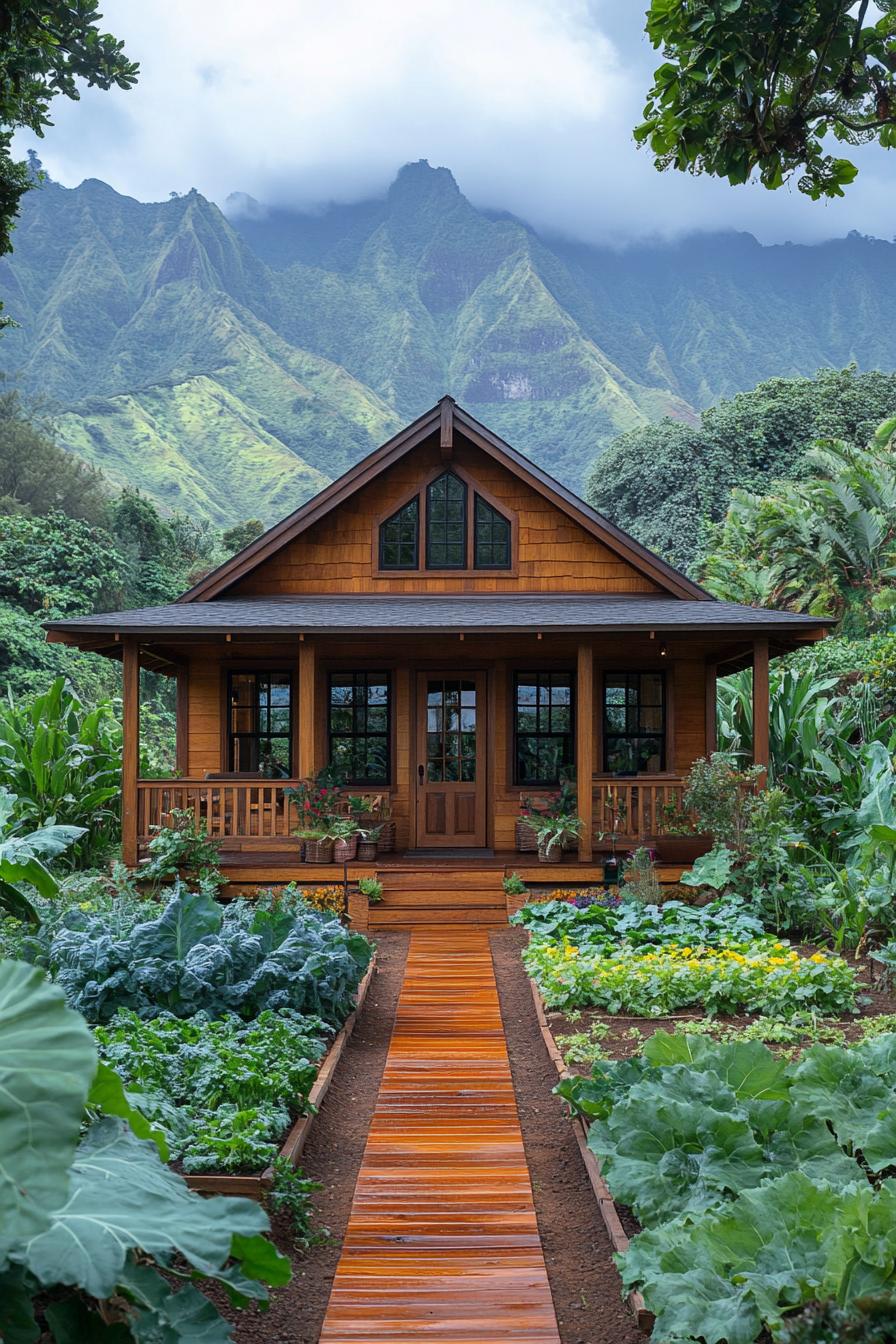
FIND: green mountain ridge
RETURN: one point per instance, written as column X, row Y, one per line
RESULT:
column 232, row 364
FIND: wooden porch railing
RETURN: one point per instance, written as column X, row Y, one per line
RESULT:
column 248, row 810
column 640, row 808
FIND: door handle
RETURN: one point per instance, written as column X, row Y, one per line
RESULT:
column 420, row 774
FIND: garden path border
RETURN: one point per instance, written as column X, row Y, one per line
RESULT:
column 605, row 1201
column 257, row 1185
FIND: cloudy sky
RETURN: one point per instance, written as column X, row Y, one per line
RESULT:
column 529, row 102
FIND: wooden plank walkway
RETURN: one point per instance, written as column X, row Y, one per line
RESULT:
column 442, row 1242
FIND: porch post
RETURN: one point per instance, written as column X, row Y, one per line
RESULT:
column 712, row 724
column 760, row 707
column 585, row 746
column 130, row 751
column 182, row 718
column 307, row 765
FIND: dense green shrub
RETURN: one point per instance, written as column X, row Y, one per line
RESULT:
column 666, row 482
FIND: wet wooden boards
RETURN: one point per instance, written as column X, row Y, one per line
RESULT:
column 442, row 1242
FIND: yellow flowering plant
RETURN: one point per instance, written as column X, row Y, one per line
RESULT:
column 763, row 977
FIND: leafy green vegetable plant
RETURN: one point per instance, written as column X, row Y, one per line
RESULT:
column 199, row 957
column 94, row 1216
column 222, row 1091
column 760, row 978
column 183, row 849
column 760, row 1184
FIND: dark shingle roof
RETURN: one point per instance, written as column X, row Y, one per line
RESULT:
column 422, row 612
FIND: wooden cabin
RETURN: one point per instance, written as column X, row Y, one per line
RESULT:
column 454, row 630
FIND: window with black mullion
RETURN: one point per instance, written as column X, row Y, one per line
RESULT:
column 543, row 727
column 400, row 538
column 446, row 522
column 491, row 549
column 260, row 727
column 358, row 724
column 634, row 723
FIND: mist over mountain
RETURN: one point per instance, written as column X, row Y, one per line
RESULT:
column 233, row 363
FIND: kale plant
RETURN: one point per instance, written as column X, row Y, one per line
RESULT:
column 198, row 956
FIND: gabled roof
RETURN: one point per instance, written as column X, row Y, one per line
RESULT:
column 444, row 417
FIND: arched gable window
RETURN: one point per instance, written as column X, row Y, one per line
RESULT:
column 462, row 530
column 446, row 522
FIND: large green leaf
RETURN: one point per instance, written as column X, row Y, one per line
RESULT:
column 162, row 1316
column 185, row 921
column 748, row 1067
column 107, row 1094
column 721, row 1276
column 677, row 1142
column 123, row 1198
column 47, row 1060
column 17, row 1323
column 853, row 1091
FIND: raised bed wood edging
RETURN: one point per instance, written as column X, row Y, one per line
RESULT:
column 605, row 1202
column 256, row 1185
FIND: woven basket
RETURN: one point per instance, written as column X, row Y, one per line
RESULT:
column 552, row 855
column 367, row 850
column 318, row 851
column 386, row 842
column 345, row 850
column 526, row 839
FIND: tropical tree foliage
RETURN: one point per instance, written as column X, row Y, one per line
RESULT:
column 667, row 483
column 23, row 856
column 45, row 50
column 825, row 543
column 62, row 760
column 757, row 85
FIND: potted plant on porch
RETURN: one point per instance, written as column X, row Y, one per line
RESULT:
column 317, row 844
column 343, row 831
column 368, row 837
column 554, row 834
column 679, row 840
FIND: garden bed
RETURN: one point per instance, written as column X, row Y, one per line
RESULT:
column 257, row 1185
column 609, row 1213
column 623, row 1036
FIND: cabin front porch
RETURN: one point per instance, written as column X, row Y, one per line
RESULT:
column 446, row 741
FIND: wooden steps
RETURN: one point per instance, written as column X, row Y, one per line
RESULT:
column 424, row 896
column 442, row 1242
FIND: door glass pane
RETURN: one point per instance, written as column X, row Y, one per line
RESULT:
column 451, row 731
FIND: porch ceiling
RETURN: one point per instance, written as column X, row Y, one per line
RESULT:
column 492, row 613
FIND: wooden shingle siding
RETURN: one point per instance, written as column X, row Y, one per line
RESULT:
column 338, row 554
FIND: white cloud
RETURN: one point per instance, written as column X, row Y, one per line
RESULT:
column 529, row 102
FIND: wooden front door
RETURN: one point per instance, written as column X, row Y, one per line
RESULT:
column 450, row 771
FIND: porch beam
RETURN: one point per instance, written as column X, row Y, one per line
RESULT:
column 761, row 707
column 585, row 746
column 130, row 751
column 307, row 764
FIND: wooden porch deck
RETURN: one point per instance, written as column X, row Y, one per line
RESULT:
column 442, row 1241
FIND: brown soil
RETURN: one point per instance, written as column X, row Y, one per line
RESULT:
column 584, row 1283
column 332, row 1158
